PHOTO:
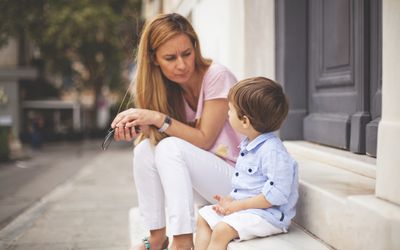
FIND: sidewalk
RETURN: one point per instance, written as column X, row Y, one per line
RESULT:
column 97, row 209
column 90, row 211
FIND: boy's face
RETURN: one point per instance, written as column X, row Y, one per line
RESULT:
column 234, row 120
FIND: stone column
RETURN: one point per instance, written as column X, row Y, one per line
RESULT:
column 259, row 38
column 388, row 158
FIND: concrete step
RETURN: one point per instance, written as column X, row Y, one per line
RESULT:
column 295, row 239
column 359, row 164
column 337, row 200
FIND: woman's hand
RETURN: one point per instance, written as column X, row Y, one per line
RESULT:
column 124, row 133
column 226, row 205
column 127, row 122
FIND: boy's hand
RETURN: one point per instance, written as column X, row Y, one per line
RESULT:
column 226, row 205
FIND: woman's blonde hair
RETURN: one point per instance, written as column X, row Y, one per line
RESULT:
column 152, row 89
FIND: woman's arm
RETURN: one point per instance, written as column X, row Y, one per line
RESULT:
column 215, row 113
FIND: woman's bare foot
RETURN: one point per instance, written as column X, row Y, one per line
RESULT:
column 157, row 240
column 182, row 242
column 154, row 244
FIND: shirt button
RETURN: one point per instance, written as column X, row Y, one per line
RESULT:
column 242, row 154
column 271, row 183
column 235, row 190
column 250, row 170
column 237, row 173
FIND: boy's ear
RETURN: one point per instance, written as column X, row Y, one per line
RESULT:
column 245, row 122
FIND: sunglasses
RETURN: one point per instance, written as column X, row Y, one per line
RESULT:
column 110, row 133
column 107, row 140
column 109, row 137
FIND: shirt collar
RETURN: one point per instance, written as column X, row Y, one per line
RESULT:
column 245, row 145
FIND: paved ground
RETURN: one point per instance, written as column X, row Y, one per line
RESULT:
column 89, row 211
column 23, row 182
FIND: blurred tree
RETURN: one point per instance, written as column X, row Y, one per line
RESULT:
column 90, row 41
column 15, row 16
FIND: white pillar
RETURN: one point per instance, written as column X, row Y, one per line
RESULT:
column 388, row 158
column 259, row 38
column 219, row 25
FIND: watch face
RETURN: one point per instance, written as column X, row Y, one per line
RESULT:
column 168, row 120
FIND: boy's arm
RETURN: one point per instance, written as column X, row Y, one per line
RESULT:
column 222, row 205
column 280, row 171
column 258, row 201
column 227, row 206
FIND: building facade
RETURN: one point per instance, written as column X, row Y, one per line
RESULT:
column 339, row 65
column 12, row 69
column 19, row 113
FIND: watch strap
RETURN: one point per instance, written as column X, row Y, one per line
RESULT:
column 166, row 124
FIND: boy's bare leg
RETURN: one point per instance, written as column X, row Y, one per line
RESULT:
column 221, row 236
column 203, row 234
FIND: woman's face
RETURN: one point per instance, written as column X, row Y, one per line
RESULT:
column 176, row 59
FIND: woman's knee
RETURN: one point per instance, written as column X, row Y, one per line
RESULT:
column 143, row 154
column 167, row 147
column 168, row 143
column 142, row 147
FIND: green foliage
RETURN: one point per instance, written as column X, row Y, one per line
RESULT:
column 87, row 40
column 17, row 17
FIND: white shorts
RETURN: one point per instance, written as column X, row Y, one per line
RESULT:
column 248, row 225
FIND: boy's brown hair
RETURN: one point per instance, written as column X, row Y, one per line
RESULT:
column 262, row 101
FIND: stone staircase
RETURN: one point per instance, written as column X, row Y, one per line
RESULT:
column 337, row 200
column 337, row 207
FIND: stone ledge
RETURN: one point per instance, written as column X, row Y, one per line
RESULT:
column 340, row 207
column 295, row 239
column 359, row 164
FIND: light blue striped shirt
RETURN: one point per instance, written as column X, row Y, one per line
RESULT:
column 264, row 166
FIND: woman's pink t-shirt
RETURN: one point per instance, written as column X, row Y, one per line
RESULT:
column 216, row 84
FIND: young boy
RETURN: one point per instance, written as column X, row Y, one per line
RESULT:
column 265, row 182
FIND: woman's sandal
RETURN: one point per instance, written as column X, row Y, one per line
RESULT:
column 147, row 243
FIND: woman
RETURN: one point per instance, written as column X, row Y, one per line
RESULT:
column 186, row 145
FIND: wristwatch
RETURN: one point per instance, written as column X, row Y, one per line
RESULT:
column 166, row 124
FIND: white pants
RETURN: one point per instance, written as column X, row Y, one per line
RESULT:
column 177, row 169
column 247, row 225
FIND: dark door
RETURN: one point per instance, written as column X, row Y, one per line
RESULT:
column 343, row 74
column 376, row 77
